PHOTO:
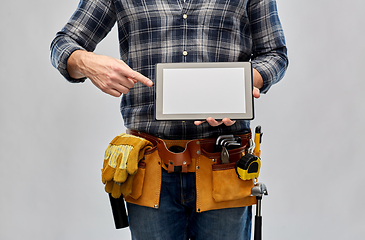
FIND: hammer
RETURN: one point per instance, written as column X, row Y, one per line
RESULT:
column 258, row 191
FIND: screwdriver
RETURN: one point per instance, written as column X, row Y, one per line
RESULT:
column 258, row 140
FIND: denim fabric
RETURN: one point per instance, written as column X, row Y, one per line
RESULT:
column 176, row 218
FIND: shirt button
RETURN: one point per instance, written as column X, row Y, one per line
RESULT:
column 185, row 53
column 185, row 16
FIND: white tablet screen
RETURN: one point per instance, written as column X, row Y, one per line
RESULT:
column 186, row 91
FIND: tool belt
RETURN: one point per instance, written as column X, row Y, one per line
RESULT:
column 217, row 185
column 192, row 149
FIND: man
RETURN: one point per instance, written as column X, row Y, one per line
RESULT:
column 167, row 31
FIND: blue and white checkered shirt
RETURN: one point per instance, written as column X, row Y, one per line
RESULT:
column 167, row 31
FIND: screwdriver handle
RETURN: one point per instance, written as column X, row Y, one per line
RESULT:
column 258, row 139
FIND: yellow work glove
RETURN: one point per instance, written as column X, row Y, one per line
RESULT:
column 121, row 163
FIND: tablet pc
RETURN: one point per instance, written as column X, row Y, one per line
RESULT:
column 196, row 91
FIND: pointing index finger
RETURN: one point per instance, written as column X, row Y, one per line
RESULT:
column 136, row 76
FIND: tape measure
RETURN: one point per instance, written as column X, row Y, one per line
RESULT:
column 248, row 167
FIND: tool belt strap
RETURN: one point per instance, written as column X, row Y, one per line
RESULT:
column 193, row 149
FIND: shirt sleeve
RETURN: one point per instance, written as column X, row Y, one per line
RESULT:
column 90, row 23
column 269, row 56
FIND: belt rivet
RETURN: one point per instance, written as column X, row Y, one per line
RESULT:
column 197, row 167
column 184, row 163
column 198, row 152
column 171, row 163
column 213, row 160
column 198, row 142
column 156, row 206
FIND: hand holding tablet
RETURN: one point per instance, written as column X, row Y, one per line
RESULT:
column 226, row 121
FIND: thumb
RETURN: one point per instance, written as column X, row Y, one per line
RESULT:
column 256, row 92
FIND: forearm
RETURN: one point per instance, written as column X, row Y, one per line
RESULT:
column 272, row 67
column 76, row 34
column 61, row 49
column 269, row 55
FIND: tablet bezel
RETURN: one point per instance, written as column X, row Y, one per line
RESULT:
column 249, row 109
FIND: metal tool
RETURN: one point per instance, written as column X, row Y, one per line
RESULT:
column 218, row 142
column 258, row 191
column 225, row 143
column 224, row 156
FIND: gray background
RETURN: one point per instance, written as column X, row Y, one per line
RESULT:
column 53, row 133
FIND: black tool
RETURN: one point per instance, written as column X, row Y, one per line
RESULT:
column 119, row 212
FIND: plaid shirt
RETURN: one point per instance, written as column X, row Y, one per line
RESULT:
column 166, row 31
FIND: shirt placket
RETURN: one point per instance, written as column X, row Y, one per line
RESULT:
column 184, row 28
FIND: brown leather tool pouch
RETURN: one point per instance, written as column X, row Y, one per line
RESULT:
column 218, row 185
column 226, row 185
column 147, row 181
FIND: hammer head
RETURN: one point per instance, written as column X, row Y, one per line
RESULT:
column 259, row 189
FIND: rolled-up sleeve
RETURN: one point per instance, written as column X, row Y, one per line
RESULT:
column 91, row 22
column 269, row 54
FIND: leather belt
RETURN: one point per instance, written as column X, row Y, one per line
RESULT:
column 192, row 150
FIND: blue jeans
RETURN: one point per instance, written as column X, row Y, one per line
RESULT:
column 176, row 218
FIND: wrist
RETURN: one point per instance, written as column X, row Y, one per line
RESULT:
column 76, row 63
column 258, row 81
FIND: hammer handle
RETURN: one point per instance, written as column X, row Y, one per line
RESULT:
column 258, row 228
